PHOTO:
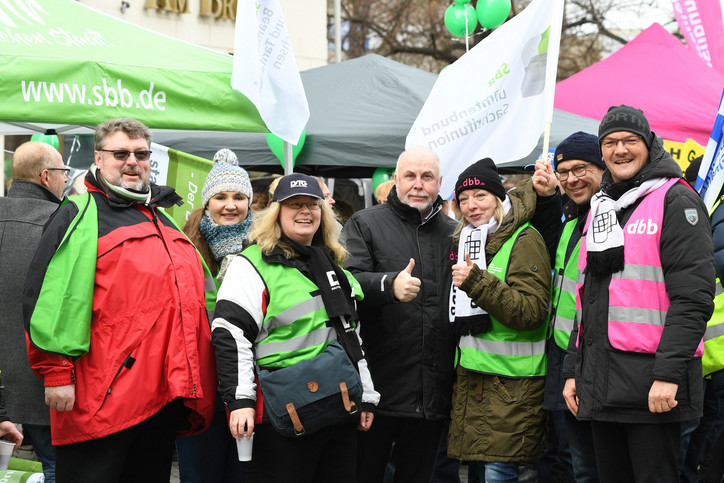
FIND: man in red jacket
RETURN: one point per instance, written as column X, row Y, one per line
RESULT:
column 117, row 325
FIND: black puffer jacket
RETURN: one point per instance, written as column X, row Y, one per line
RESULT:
column 409, row 345
column 613, row 385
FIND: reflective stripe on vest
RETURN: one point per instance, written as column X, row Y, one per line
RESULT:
column 563, row 290
column 637, row 297
column 502, row 350
column 294, row 327
column 713, row 358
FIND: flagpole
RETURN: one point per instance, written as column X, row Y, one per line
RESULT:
column 546, row 139
column 338, row 30
column 467, row 32
column 275, row 88
column 288, row 158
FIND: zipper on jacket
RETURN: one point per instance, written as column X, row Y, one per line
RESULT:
column 421, row 395
column 159, row 229
column 128, row 363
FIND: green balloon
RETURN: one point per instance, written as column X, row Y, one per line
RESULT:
column 51, row 139
column 455, row 19
column 276, row 144
column 462, row 2
column 381, row 175
column 492, row 13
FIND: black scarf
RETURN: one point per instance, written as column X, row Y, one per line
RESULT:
column 335, row 290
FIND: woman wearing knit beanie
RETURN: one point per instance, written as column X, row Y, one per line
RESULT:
column 219, row 230
column 499, row 302
column 220, row 226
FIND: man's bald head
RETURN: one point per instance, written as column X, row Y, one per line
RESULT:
column 32, row 159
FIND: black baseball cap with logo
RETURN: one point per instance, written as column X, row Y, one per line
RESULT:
column 297, row 184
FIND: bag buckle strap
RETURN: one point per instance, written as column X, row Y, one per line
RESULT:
column 349, row 406
column 298, row 428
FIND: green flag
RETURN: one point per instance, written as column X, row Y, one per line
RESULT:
column 186, row 173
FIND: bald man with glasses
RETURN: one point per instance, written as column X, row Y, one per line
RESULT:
column 38, row 180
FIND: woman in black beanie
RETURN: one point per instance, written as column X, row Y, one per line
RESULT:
column 499, row 301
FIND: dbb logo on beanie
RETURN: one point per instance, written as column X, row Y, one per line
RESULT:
column 472, row 182
column 298, row 183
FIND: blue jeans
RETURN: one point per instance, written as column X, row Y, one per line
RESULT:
column 580, row 442
column 501, row 472
column 555, row 466
column 43, row 448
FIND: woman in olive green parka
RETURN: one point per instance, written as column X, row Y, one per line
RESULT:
column 499, row 302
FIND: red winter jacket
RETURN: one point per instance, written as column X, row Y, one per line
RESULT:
column 150, row 340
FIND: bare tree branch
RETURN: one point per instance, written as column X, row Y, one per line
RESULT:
column 413, row 31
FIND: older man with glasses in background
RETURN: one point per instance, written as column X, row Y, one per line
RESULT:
column 38, row 181
column 643, row 296
column 116, row 318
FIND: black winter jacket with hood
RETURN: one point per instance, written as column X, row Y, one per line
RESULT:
column 409, row 345
column 613, row 385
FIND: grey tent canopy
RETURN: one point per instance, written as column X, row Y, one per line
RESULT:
column 361, row 111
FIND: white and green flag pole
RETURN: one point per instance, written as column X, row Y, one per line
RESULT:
column 265, row 71
column 496, row 99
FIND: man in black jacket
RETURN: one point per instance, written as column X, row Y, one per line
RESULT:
column 633, row 366
column 402, row 254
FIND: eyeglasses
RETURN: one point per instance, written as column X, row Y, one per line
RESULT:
column 579, row 171
column 66, row 171
column 123, row 154
column 297, row 205
column 612, row 144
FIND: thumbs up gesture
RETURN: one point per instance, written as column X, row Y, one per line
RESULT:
column 405, row 287
column 461, row 272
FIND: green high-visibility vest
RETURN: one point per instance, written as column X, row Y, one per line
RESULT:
column 295, row 324
column 563, row 290
column 713, row 358
column 502, row 350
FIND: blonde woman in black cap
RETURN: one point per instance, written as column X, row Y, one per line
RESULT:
column 499, row 302
column 284, row 304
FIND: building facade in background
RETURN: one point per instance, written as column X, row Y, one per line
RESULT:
column 210, row 23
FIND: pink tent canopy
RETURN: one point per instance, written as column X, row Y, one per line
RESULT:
column 655, row 72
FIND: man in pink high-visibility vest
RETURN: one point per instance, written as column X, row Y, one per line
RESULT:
column 644, row 294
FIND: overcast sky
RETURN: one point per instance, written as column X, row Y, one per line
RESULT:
column 639, row 18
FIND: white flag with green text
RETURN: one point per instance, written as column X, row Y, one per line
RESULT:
column 265, row 69
column 494, row 101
